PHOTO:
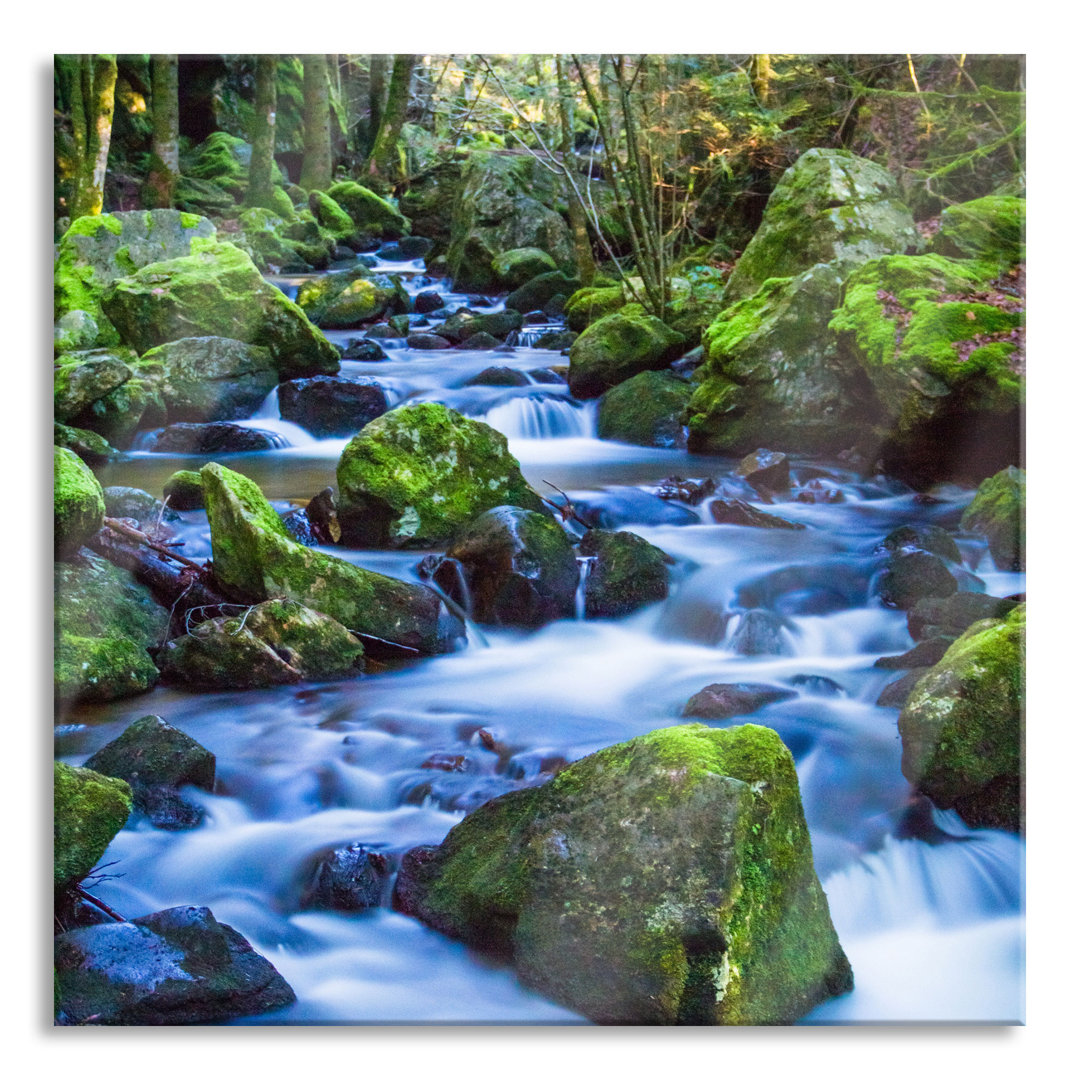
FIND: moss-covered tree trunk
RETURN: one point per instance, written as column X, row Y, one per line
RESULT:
column 761, row 75
column 583, row 255
column 384, row 161
column 260, row 175
column 165, row 148
column 317, row 172
column 92, row 111
column 379, row 63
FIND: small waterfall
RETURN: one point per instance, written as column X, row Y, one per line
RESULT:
column 547, row 417
column 585, row 565
column 528, row 336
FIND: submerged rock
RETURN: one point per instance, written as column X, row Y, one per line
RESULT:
column 499, row 376
column 156, row 759
column 255, row 560
column 418, row 473
column 274, row 643
column 329, row 406
column 178, row 966
column 910, row 576
column 998, row 511
column 349, row 878
column 519, row 566
column 931, row 538
column 767, row 471
column 88, row 811
column 627, row 573
column 597, row 888
column 78, row 503
column 737, row 512
column 722, row 701
column 760, row 633
column 962, row 727
column 214, row 438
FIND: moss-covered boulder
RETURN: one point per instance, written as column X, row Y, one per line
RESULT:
column 255, row 559
column 464, row 325
column 773, row 369
column 331, row 216
column 626, row 573
column 646, row 410
column 96, row 251
column 156, row 760
column 416, row 474
column 503, row 202
column 91, row 447
column 224, row 159
column 88, row 811
column 962, row 727
column 513, row 268
column 943, row 350
column 86, row 376
column 370, row 213
column 990, row 230
column 539, row 291
column 271, row 644
column 75, row 330
column 341, row 301
column 589, row 304
column 184, row 490
column 519, row 567
column 212, row 378
column 618, row 346
column 999, row 512
column 831, row 206
column 99, row 669
column 217, row 292
column 78, row 504
column 600, row 890
column 203, row 197
column 262, row 236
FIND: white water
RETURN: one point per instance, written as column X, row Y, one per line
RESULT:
column 934, row 931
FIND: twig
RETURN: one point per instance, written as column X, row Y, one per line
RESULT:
column 91, row 899
column 135, row 534
column 566, row 510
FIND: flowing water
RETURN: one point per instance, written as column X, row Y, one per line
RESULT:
column 930, row 914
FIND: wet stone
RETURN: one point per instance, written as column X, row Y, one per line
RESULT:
column 693, row 492
column 737, row 512
column 218, row 438
column 767, row 470
column 349, row 878
column 722, row 701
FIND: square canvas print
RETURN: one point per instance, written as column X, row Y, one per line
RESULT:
column 539, row 539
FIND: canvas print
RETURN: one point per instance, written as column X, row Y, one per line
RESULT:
column 539, row 539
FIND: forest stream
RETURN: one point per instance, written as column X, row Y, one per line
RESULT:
column 929, row 911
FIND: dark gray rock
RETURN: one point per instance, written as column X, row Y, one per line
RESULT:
column 722, row 701
column 330, row 406
column 212, row 439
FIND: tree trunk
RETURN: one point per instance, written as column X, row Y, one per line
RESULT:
column 165, row 149
column 583, row 255
column 97, row 84
column 376, row 96
column 761, row 74
column 317, row 171
column 384, row 161
column 260, row 174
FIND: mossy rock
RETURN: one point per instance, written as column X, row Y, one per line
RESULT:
column 225, row 160
column 135, row 405
column 646, row 410
column 773, row 370
column 218, row 292
column 618, row 346
column 345, row 300
column 203, row 197
column 539, row 291
column 95, row 251
column 88, row 811
column 464, row 325
column 75, row 330
column 942, row 352
column 627, row 573
column 999, row 512
column 598, row 889
column 989, row 230
column 184, row 490
column 962, row 727
column 132, row 502
column 331, row 216
column 519, row 565
column 100, row 669
column 262, row 238
column 831, row 206
column 513, row 268
column 369, row 212
column 255, row 559
column 212, row 378
column 416, row 474
column 93, row 448
column 78, row 504
column 274, row 643
column 589, row 304
column 84, row 377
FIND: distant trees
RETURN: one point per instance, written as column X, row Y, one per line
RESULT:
column 92, row 93
column 385, row 159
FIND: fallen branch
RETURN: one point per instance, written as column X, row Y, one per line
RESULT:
column 161, row 549
column 100, row 904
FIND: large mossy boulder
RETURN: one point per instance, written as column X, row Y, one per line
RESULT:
column 646, row 410
column 345, row 300
column 513, row 268
column 626, row 573
column 539, row 291
column 330, row 216
column 943, row 350
column 416, row 474
column 990, row 230
column 78, row 504
column 829, row 207
column 225, row 160
column 999, row 512
column 88, row 811
column 519, row 566
column 89, row 446
column 587, row 305
column 962, row 727
column 370, row 213
column 179, row 966
column 668, row 879
column 96, row 251
column 255, row 559
column 618, row 346
column 85, row 376
column 218, row 292
column 274, row 643
column 262, row 236
column 503, row 202
column 772, row 368
column 212, row 378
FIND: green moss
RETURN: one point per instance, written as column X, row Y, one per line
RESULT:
column 999, row 512
column 629, row 572
column 370, row 213
column 514, row 268
column 88, row 811
column 190, row 221
column 989, row 230
column 183, row 490
column 414, row 474
column 587, row 305
column 88, row 445
column 100, row 669
column 78, row 503
column 645, row 410
column 331, row 216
